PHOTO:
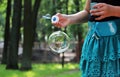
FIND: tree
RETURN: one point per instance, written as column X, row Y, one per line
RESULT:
column 28, row 36
column 35, row 13
column 30, row 18
column 12, row 60
column 6, row 33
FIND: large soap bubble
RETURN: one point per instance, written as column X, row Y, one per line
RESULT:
column 59, row 41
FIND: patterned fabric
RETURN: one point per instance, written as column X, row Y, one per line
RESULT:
column 101, row 55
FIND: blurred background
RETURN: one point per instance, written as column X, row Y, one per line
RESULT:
column 25, row 26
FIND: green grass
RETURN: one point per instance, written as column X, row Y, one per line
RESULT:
column 43, row 70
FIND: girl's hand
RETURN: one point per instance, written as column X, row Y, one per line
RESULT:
column 102, row 10
column 63, row 20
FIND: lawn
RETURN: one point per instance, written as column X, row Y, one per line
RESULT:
column 44, row 70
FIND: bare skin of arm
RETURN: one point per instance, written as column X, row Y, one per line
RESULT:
column 79, row 17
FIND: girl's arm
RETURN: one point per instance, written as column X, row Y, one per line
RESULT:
column 79, row 17
column 116, row 11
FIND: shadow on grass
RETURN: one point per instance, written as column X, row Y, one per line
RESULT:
column 44, row 70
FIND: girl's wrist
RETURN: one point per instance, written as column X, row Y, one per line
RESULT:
column 116, row 11
column 69, row 18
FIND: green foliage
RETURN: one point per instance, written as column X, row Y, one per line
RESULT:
column 2, row 11
column 51, row 7
column 3, row 6
column 1, row 33
column 44, row 70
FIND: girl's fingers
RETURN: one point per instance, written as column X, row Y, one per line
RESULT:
column 58, row 24
column 100, row 17
column 98, row 5
column 98, row 13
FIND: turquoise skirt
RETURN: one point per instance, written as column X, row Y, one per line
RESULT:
column 101, row 53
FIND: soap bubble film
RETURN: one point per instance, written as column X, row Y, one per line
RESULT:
column 59, row 41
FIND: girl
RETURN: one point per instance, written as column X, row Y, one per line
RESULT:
column 101, row 50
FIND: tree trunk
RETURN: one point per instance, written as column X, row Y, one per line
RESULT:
column 79, row 47
column 12, row 61
column 6, row 35
column 28, row 36
column 30, row 20
column 35, row 13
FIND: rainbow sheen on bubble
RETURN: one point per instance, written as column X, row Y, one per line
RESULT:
column 59, row 41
